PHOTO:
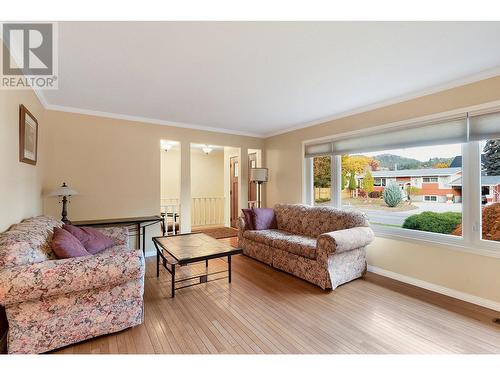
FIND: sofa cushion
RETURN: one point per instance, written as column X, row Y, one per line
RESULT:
column 295, row 244
column 261, row 236
column 65, row 245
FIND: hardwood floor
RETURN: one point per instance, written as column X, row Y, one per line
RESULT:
column 267, row 311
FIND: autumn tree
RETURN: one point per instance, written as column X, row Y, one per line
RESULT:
column 355, row 164
column 368, row 182
column 411, row 191
column 374, row 164
column 322, row 172
column 441, row 165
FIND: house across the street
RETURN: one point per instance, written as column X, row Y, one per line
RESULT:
column 434, row 184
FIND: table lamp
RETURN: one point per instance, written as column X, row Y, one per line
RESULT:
column 259, row 176
column 64, row 192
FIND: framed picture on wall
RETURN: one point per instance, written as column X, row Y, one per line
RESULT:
column 28, row 136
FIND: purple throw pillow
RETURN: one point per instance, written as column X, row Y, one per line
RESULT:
column 93, row 240
column 77, row 232
column 264, row 218
column 249, row 218
column 65, row 245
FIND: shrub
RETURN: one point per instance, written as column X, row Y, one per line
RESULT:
column 322, row 200
column 428, row 221
column 362, row 194
column 375, row 194
column 392, row 195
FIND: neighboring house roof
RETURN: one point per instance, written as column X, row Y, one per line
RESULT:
column 418, row 172
column 485, row 180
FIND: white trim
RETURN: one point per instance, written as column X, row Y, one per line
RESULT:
column 490, row 304
column 148, row 120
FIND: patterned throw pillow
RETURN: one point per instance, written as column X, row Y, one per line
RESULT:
column 249, row 218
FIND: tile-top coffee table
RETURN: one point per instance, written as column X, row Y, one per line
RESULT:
column 183, row 249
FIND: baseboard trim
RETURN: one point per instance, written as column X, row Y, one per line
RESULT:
column 484, row 302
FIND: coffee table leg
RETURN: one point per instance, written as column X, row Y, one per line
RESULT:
column 229, row 267
column 173, row 280
column 157, row 263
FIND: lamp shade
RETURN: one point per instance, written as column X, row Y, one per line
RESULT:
column 62, row 191
column 258, row 174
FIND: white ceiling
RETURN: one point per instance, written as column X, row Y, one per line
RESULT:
column 260, row 78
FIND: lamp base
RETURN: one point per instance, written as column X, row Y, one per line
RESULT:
column 64, row 212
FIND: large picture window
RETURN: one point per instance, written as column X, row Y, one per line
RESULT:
column 418, row 190
column 436, row 181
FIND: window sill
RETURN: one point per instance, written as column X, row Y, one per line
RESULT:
column 484, row 248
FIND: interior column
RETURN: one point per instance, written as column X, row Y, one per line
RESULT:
column 185, row 191
column 243, row 180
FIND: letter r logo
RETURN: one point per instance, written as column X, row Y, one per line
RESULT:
column 27, row 49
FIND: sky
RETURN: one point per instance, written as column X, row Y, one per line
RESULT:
column 423, row 153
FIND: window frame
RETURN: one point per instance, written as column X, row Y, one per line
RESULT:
column 431, row 196
column 430, row 178
column 471, row 240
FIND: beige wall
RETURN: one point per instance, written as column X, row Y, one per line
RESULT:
column 465, row 272
column 113, row 164
column 207, row 173
column 170, row 173
column 20, row 183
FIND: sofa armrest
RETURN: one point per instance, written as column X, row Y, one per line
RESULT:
column 345, row 240
column 242, row 225
column 118, row 234
column 53, row 277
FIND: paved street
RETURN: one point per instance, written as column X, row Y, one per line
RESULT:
column 398, row 218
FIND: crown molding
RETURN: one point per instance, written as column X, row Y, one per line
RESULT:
column 414, row 95
column 148, row 120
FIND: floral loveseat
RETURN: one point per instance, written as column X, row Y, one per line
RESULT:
column 52, row 303
column 323, row 245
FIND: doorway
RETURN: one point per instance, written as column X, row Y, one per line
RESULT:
column 233, row 189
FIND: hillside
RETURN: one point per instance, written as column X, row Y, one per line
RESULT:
column 389, row 161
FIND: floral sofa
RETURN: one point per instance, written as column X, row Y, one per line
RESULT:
column 51, row 303
column 323, row 245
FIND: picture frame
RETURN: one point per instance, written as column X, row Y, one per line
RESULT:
column 28, row 136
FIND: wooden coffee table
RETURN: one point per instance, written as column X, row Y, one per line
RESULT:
column 184, row 249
